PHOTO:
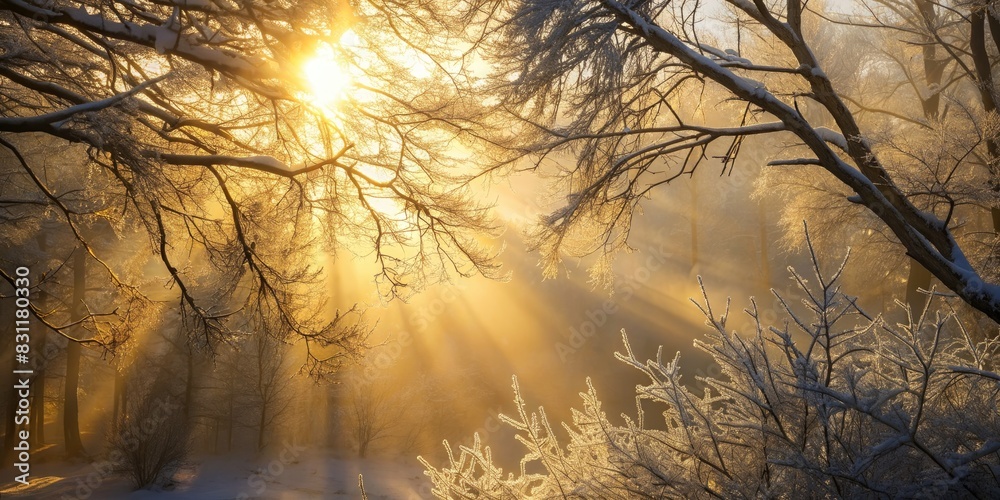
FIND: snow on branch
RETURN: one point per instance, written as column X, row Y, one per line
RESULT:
column 675, row 52
column 54, row 119
column 262, row 163
column 164, row 38
column 832, row 137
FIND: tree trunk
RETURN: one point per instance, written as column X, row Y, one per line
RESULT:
column 933, row 67
column 37, row 422
column 120, row 411
column 919, row 278
column 263, row 388
column 71, row 407
column 260, row 428
column 984, row 75
column 189, row 385
column 229, row 426
column 37, row 429
column 215, row 435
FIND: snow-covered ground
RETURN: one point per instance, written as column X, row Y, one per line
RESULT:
column 312, row 474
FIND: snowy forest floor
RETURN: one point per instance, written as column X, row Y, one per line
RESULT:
column 314, row 474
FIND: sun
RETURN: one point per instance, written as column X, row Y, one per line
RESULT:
column 328, row 79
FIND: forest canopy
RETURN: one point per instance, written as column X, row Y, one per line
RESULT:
column 235, row 141
column 183, row 177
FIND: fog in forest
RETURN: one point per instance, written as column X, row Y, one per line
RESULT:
column 483, row 249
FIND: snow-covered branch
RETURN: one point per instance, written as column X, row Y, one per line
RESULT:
column 627, row 66
column 163, row 37
column 53, row 120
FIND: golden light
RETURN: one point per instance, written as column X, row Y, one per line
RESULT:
column 328, row 79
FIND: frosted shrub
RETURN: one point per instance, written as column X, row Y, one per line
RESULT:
column 151, row 443
column 831, row 403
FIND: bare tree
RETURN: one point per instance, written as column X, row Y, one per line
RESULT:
column 71, row 405
column 271, row 388
column 935, row 55
column 200, row 127
column 370, row 409
column 610, row 81
column 151, row 438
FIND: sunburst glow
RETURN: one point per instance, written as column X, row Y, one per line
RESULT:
column 328, row 78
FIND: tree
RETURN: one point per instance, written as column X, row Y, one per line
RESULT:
column 924, row 86
column 204, row 128
column 934, row 67
column 150, row 440
column 71, row 404
column 371, row 406
column 609, row 80
column 271, row 388
column 833, row 402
